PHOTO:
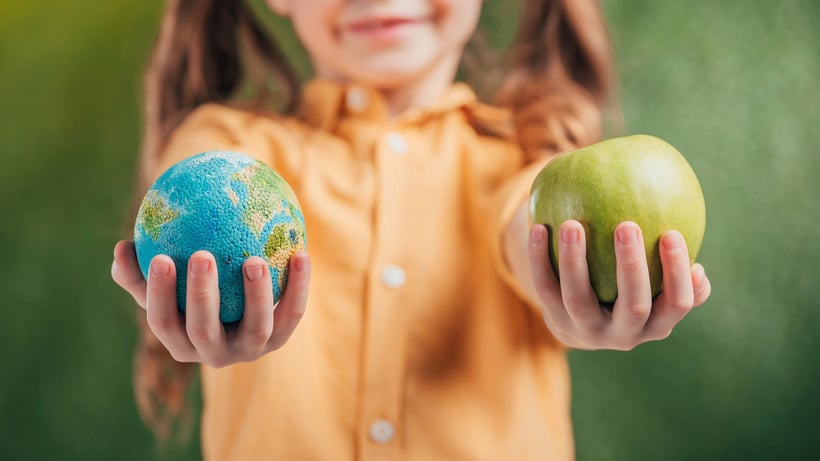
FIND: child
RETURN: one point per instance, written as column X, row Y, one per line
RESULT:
column 435, row 327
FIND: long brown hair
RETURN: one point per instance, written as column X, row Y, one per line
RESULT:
column 558, row 80
column 560, row 77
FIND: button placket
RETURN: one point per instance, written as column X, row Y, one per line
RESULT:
column 385, row 350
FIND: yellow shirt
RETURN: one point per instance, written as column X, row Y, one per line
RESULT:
column 416, row 343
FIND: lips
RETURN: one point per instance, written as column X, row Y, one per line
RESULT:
column 377, row 24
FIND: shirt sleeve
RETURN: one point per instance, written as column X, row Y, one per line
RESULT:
column 509, row 198
column 212, row 127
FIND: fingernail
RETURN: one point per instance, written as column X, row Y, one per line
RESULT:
column 299, row 264
column 699, row 276
column 253, row 272
column 159, row 268
column 569, row 234
column 672, row 241
column 114, row 267
column 536, row 236
column 200, row 266
column 627, row 235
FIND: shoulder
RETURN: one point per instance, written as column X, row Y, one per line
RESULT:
column 490, row 121
column 492, row 134
column 259, row 133
column 229, row 125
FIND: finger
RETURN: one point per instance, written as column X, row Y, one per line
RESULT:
column 126, row 271
column 163, row 315
column 544, row 280
column 576, row 290
column 634, row 303
column 700, row 284
column 291, row 308
column 202, row 308
column 677, row 297
column 256, row 326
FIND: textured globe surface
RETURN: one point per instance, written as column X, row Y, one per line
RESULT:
column 229, row 204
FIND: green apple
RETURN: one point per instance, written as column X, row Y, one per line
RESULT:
column 636, row 178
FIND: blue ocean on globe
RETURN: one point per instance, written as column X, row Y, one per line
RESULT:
column 229, row 204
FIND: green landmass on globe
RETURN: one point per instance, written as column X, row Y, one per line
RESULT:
column 154, row 213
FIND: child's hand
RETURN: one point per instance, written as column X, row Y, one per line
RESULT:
column 572, row 310
column 199, row 336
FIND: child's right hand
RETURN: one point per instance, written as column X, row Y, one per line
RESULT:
column 199, row 336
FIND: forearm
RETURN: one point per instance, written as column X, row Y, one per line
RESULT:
column 516, row 252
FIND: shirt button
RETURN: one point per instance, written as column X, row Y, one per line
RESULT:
column 393, row 276
column 382, row 431
column 396, row 143
column 357, row 99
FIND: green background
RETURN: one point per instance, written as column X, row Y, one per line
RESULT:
column 733, row 84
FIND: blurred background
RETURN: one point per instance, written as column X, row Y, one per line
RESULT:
column 733, row 84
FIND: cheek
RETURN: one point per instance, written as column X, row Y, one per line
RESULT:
column 314, row 27
column 459, row 18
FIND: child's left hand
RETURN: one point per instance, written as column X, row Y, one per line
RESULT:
column 572, row 310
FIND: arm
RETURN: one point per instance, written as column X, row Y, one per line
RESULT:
column 571, row 309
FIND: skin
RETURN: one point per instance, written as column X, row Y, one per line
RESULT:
column 199, row 336
column 411, row 69
column 571, row 309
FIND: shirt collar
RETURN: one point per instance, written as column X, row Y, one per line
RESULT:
column 324, row 102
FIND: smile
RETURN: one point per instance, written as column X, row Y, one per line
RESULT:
column 383, row 27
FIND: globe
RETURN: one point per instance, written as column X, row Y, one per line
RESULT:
column 229, row 204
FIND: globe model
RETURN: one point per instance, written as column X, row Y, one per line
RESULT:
column 229, row 204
